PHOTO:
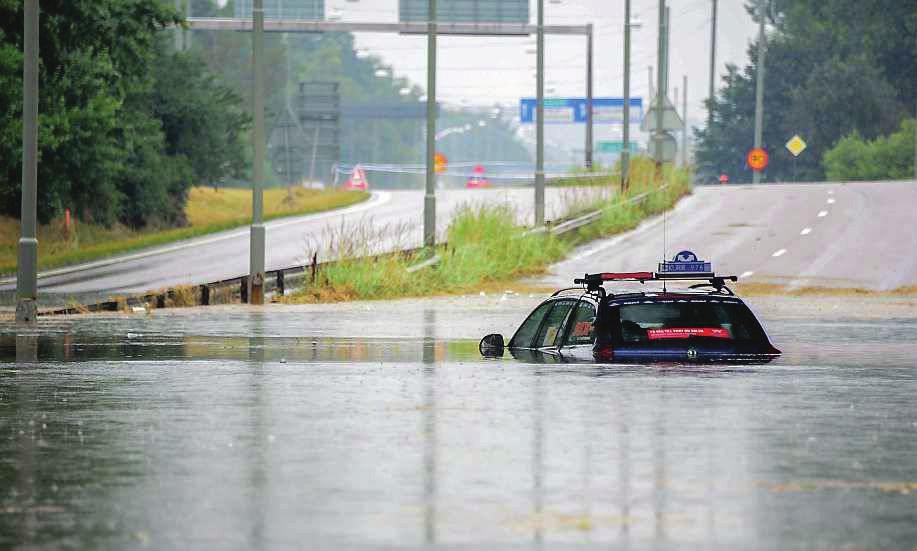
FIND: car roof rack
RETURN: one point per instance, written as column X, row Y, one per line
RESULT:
column 685, row 266
column 593, row 282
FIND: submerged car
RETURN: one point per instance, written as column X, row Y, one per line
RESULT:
column 705, row 322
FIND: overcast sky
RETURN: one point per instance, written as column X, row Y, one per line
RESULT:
column 484, row 70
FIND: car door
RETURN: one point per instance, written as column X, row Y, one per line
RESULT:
column 526, row 332
column 550, row 333
column 579, row 333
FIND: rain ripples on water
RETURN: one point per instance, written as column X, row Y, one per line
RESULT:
column 259, row 432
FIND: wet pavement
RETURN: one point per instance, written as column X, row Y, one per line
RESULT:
column 371, row 425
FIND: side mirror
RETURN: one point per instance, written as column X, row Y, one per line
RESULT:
column 492, row 346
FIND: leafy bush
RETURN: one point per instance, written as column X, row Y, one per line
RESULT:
column 885, row 158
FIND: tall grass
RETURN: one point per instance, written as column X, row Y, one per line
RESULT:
column 620, row 214
column 484, row 246
column 208, row 211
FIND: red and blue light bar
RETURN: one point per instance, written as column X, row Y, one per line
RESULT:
column 685, row 266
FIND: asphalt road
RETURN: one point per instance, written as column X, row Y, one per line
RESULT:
column 853, row 235
column 858, row 235
column 389, row 218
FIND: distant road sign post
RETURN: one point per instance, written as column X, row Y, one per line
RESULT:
column 286, row 149
column 616, row 147
column 663, row 147
column 440, row 163
column 312, row 10
column 573, row 110
column 466, row 11
column 757, row 159
column 796, row 145
column 670, row 117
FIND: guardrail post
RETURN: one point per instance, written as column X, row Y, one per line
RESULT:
column 243, row 289
column 205, row 295
column 281, row 288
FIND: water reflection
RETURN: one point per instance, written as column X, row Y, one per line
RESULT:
column 259, row 463
column 429, row 426
column 258, row 441
column 27, row 348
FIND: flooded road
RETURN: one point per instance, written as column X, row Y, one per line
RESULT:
column 378, row 424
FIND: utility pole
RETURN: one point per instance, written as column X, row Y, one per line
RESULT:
column 649, row 71
column 589, row 97
column 27, row 267
column 625, row 141
column 759, row 87
column 256, row 247
column 668, row 27
column 675, row 104
column 712, row 67
column 684, row 116
column 658, row 134
column 539, row 113
column 429, row 198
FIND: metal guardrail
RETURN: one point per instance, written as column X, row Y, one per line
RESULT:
column 225, row 291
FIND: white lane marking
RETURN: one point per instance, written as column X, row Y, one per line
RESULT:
column 377, row 199
column 830, row 192
column 805, row 231
column 831, row 200
column 746, row 274
column 781, row 252
column 822, row 214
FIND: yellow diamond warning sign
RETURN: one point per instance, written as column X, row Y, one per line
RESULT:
column 796, row 145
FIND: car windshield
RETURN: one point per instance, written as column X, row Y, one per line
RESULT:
column 669, row 321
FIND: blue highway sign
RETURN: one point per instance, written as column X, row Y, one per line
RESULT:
column 573, row 110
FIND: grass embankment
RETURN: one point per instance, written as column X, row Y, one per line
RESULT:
column 208, row 211
column 485, row 247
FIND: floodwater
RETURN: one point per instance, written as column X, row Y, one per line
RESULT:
column 379, row 425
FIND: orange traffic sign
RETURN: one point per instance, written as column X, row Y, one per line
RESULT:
column 440, row 162
column 757, row 159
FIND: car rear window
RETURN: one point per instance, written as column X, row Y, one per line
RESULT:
column 669, row 321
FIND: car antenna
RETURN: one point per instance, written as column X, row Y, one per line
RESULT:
column 664, row 240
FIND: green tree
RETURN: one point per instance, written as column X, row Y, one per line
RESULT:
column 833, row 67
column 123, row 124
column 885, row 158
column 202, row 119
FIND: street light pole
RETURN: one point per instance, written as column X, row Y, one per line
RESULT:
column 668, row 28
column 759, row 87
column 256, row 247
column 652, row 90
column 712, row 67
column 589, row 97
column 684, row 116
column 625, row 142
column 429, row 198
column 539, row 114
column 27, row 266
